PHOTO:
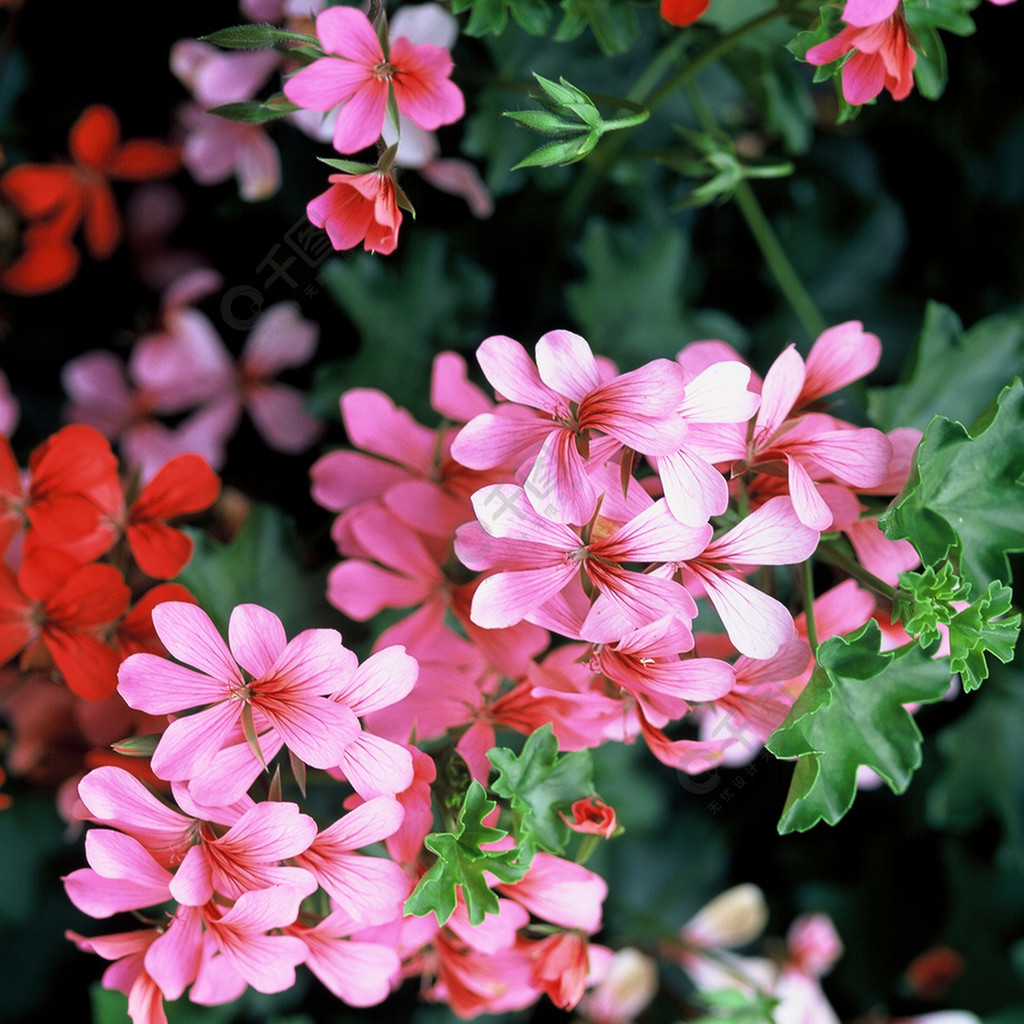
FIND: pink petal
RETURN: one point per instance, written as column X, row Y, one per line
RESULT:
column 189, row 635
column 325, row 83
column 158, row 686
column 508, row 597
column 842, row 354
column 348, row 33
column 423, row 90
column 361, row 119
column 374, row 423
column 280, row 339
column 376, row 767
column 256, row 638
column 770, row 535
column 358, row 973
column 863, row 13
column 694, row 489
column 513, row 374
column 565, row 363
column 381, row 680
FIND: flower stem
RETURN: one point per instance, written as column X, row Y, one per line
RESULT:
column 812, row 630
column 832, row 554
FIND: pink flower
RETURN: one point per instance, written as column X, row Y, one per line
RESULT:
column 880, row 57
column 359, row 208
column 280, row 686
column 359, row 74
column 592, row 816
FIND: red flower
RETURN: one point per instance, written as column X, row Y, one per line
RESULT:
column 57, row 610
column 56, row 200
column 183, row 485
column 683, row 12
column 359, row 208
column 593, row 816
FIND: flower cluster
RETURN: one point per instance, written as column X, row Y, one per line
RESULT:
column 240, row 891
column 616, row 512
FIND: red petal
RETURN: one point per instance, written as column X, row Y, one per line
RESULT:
column 159, row 550
column 94, row 137
column 37, row 190
column 48, row 262
column 683, row 12
column 88, row 665
column 94, row 595
column 101, row 225
column 136, row 632
column 184, row 484
column 144, row 160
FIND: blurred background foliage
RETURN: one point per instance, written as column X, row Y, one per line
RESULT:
column 909, row 218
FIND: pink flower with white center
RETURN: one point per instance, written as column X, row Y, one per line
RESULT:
column 279, row 687
column 587, row 418
column 358, row 74
column 771, row 535
column 536, row 558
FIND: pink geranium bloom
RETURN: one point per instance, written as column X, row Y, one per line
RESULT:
column 584, row 417
column 358, row 74
column 283, row 686
column 881, row 57
column 359, row 208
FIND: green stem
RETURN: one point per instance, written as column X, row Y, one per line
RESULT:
column 812, row 629
column 645, row 92
column 833, row 555
column 778, row 262
column 760, row 227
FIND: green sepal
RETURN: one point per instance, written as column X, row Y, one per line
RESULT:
column 852, row 713
column 255, row 37
column 136, row 746
column 348, row 166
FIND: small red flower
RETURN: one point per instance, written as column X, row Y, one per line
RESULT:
column 592, row 816
column 56, row 611
column 184, row 484
column 359, row 208
column 683, row 12
column 56, row 200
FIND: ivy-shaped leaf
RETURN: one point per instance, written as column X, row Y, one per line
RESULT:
column 539, row 782
column 986, row 626
column 462, row 866
column 965, row 494
column 850, row 714
column 925, row 600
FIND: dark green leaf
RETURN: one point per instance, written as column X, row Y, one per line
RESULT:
column 254, row 112
column 965, row 495
column 461, row 865
column 255, row 37
column 851, row 714
column 538, row 782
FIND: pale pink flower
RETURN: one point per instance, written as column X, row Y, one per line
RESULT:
column 536, row 558
column 283, row 685
column 584, row 417
column 9, row 410
column 560, row 891
column 628, row 983
column 215, row 147
column 358, row 74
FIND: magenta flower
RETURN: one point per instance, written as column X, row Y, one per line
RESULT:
column 358, row 74
column 281, row 686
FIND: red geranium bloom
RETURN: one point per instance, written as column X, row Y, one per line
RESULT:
column 56, row 609
column 58, row 199
column 683, row 12
column 183, row 485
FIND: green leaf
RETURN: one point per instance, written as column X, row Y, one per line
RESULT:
column 491, row 16
column 255, row 112
column 613, row 22
column 955, row 372
column 539, row 782
column 925, row 600
column 461, row 865
column 985, row 627
column 255, row 37
column 983, row 775
column 964, row 497
column 263, row 564
column 851, row 714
